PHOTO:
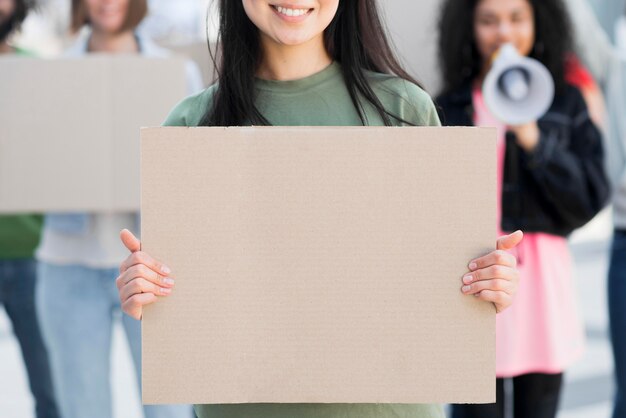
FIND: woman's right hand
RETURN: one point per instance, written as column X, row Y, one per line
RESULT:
column 142, row 279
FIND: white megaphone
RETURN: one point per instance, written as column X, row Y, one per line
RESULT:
column 517, row 89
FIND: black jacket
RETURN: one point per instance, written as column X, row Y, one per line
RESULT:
column 562, row 184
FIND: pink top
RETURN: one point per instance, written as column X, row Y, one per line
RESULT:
column 541, row 332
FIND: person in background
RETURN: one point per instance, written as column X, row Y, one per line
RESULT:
column 610, row 69
column 12, row 15
column 551, row 181
column 603, row 51
column 19, row 236
column 607, row 12
column 617, row 264
column 79, row 253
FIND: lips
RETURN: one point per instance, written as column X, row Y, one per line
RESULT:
column 109, row 10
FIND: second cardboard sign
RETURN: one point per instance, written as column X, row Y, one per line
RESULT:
column 69, row 129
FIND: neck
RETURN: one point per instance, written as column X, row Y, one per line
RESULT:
column 5, row 48
column 284, row 62
column 123, row 42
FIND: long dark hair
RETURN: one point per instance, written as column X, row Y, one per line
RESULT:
column 356, row 38
column 14, row 22
column 460, row 60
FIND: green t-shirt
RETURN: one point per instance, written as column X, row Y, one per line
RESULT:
column 24, row 52
column 19, row 234
column 320, row 100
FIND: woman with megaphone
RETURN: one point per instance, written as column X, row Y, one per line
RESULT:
column 504, row 65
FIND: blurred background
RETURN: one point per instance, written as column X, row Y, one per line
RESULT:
column 182, row 25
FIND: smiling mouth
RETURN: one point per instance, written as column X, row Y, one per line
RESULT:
column 109, row 10
column 291, row 12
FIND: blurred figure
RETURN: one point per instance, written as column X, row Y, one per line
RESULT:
column 617, row 275
column 551, row 181
column 79, row 253
column 609, row 66
column 616, row 92
column 591, row 42
column 12, row 15
column 607, row 12
column 19, row 235
column 578, row 75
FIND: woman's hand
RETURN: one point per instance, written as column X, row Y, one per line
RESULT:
column 494, row 277
column 527, row 136
column 141, row 278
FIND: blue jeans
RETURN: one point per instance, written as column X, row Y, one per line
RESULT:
column 78, row 306
column 617, row 318
column 17, row 294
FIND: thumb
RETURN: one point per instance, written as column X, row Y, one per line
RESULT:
column 130, row 241
column 509, row 242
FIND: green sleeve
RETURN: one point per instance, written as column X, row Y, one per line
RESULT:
column 191, row 110
column 406, row 100
column 433, row 116
column 25, row 52
column 420, row 107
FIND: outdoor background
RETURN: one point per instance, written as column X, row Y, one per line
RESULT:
column 412, row 24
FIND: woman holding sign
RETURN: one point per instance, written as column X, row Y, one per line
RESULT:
column 79, row 253
column 551, row 181
column 308, row 62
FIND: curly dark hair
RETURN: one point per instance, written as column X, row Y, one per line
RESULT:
column 460, row 60
column 14, row 22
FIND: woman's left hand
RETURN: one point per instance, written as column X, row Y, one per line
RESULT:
column 494, row 277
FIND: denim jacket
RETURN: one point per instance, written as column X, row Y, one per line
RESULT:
column 68, row 223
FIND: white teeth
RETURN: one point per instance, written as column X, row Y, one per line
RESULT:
column 291, row 12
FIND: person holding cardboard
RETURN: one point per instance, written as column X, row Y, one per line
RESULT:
column 79, row 253
column 19, row 236
column 551, row 181
column 302, row 63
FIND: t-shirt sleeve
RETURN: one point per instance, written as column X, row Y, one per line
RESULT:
column 177, row 116
column 408, row 101
column 420, row 110
column 191, row 111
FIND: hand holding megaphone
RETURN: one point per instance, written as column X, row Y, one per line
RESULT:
column 517, row 89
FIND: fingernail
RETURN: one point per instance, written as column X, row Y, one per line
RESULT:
column 168, row 281
column 165, row 269
column 473, row 266
column 466, row 289
column 166, row 291
column 467, row 279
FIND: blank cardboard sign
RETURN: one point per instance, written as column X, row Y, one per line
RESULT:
column 318, row 264
column 69, row 129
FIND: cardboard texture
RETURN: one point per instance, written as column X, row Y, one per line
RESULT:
column 318, row 264
column 69, row 129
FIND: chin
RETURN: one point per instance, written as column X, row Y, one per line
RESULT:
column 292, row 40
column 112, row 26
